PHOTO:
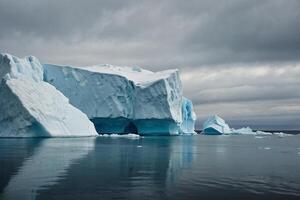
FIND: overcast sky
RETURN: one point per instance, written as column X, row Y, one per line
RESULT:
column 239, row 59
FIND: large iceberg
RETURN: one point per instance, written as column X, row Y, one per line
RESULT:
column 126, row 99
column 30, row 107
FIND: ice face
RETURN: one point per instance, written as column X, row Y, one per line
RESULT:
column 126, row 99
column 86, row 89
column 215, row 125
column 30, row 107
column 188, row 117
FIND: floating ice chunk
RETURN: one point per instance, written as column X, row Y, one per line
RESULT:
column 281, row 134
column 262, row 133
column 259, row 137
column 130, row 136
column 249, row 131
column 244, row 131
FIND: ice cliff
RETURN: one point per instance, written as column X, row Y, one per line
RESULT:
column 126, row 99
column 30, row 107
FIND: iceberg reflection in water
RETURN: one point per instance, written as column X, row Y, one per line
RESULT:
column 190, row 167
column 49, row 162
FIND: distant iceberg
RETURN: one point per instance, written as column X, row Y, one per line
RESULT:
column 215, row 125
column 30, row 107
column 126, row 99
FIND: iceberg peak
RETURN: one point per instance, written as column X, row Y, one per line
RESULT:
column 13, row 67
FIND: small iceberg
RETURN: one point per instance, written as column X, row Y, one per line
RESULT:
column 215, row 125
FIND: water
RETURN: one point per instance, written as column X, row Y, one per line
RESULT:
column 191, row 167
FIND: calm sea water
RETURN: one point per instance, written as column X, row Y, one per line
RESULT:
column 190, row 167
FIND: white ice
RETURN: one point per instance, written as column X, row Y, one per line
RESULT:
column 30, row 107
column 126, row 99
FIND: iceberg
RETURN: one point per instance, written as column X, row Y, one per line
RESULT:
column 126, row 99
column 215, row 125
column 30, row 107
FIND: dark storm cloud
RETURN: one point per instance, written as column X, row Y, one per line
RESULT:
column 244, row 95
column 235, row 56
column 236, row 84
column 202, row 31
column 57, row 18
column 250, row 31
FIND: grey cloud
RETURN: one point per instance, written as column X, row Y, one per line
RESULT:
column 250, row 31
column 58, row 19
column 264, row 114
column 254, row 95
column 233, row 84
column 235, row 56
column 247, row 93
column 188, row 34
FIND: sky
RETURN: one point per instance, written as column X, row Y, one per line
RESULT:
column 238, row 59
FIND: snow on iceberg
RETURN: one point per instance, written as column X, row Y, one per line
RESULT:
column 126, row 99
column 30, row 107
